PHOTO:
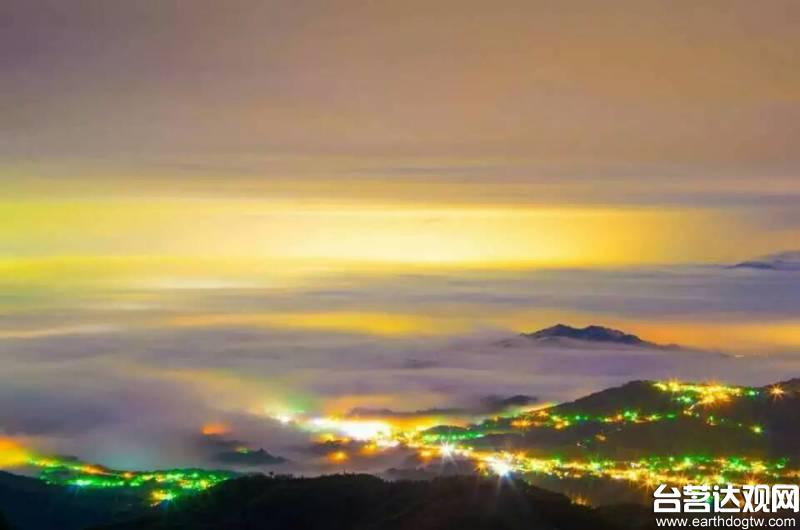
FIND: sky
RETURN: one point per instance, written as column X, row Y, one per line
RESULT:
column 209, row 209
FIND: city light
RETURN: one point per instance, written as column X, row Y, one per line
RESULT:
column 368, row 438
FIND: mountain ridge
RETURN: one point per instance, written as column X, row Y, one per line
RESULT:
column 591, row 334
column 788, row 261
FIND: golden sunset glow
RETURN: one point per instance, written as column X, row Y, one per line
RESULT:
column 371, row 323
column 12, row 454
column 368, row 233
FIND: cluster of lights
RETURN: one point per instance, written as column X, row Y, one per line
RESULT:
column 162, row 486
column 646, row 471
column 692, row 400
column 545, row 419
column 353, row 429
column 332, row 428
column 373, row 436
column 705, row 395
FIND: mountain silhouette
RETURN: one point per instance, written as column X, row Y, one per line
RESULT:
column 783, row 261
column 593, row 333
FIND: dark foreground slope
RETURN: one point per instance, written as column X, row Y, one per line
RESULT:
column 357, row 502
column 31, row 504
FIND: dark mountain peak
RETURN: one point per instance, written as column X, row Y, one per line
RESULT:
column 788, row 385
column 589, row 333
column 246, row 457
column 609, row 400
column 783, row 261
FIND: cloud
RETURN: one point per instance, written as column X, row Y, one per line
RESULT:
column 87, row 329
column 138, row 394
column 487, row 406
column 784, row 261
column 390, row 235
column 418, row 364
